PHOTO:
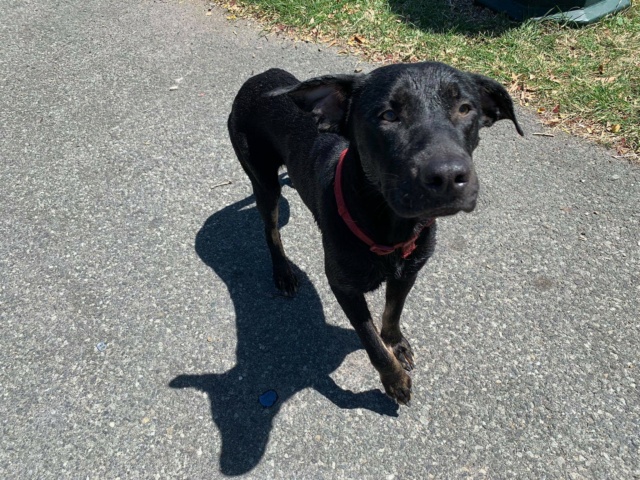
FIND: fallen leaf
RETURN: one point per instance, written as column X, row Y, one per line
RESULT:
column 359, row 39
column 541, row 109
column 615, row 128
column 556, row 109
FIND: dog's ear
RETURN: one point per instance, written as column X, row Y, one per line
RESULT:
column 327, row 98
column 496, row 102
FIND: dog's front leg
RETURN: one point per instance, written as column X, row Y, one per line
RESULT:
column 396, row 382
column 396, row 294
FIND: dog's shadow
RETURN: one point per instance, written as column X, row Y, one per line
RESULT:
column 284, row 345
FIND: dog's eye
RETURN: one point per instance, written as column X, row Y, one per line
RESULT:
column 389, row 116
column 464, row 109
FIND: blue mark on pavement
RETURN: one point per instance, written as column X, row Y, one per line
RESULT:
column 268, row 398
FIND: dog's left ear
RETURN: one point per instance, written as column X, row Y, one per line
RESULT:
column 496, row 102
column 326, row 97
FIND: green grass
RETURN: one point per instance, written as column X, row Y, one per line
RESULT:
column 584, row 80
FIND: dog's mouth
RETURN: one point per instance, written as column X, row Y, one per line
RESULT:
column 432, row 212
column 407, row 205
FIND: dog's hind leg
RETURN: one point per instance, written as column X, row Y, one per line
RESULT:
column 262, row 170
column 267, row 203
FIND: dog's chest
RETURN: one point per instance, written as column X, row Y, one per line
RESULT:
column 392, row 266
column 383, row 268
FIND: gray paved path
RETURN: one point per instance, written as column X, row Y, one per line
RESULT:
column 117, row 226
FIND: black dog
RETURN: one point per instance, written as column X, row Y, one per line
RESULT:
column 376, row 158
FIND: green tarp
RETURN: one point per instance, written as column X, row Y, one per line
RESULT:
column 574, row 11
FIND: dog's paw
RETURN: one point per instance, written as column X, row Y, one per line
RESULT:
column 398, row 386
column 403, row 352
column 285, row 280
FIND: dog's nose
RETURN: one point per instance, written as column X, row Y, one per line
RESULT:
column 446, row 174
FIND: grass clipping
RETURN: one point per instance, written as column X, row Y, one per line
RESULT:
column 585, row 81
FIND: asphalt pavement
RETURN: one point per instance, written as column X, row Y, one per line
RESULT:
column 140, row 328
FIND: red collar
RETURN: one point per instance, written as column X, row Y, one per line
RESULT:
column 407, row 247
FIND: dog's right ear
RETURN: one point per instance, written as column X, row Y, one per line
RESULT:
column 326, row 97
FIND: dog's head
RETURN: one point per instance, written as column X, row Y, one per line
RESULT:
column 414, row 127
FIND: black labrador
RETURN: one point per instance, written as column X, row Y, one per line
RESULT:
column 376, row 158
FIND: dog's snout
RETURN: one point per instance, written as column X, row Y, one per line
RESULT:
column 446, row 174
column 439, row 185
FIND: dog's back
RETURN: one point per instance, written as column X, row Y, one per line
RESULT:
column 268, row 131
column 253, row 108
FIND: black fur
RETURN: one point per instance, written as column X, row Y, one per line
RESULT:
column 411, row 130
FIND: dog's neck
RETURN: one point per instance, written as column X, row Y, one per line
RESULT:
column 370, row 210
